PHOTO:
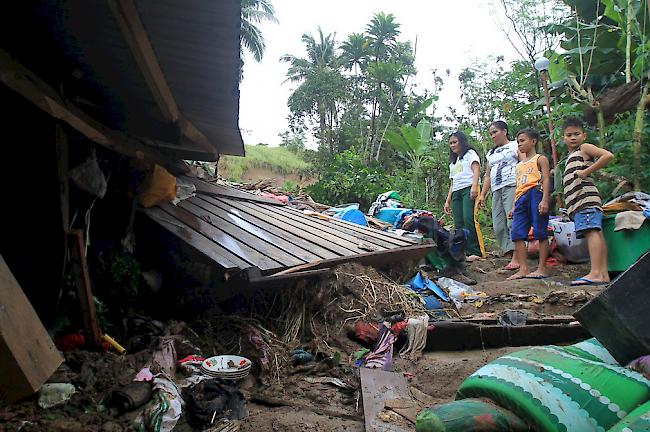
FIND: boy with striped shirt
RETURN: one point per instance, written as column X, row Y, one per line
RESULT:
column 582, row 198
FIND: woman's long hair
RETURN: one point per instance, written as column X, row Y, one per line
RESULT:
column 464, row 147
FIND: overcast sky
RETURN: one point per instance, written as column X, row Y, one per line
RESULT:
column 450, row 33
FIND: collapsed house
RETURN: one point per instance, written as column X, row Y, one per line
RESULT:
column 96, row 94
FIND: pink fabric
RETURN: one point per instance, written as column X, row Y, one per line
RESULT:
column 144, row 375
column 280, row 198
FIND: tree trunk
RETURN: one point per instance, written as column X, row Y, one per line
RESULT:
column 628, row 44
column 636, row 143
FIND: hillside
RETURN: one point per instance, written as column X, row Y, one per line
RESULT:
column 262, row 162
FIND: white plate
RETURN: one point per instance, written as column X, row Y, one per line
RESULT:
column 220, row 364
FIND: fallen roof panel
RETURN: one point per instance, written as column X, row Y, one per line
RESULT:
column 237, row 230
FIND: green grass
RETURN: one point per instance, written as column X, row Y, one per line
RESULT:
column 276, row 159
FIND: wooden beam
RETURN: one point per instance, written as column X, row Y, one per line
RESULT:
column 28, row 356
column 133, row 31
column 64, row 184
column 84, row 291
column 26, row 83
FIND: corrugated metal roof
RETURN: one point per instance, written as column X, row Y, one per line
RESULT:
column 238, row 231
column 77, row 46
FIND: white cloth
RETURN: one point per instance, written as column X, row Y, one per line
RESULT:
column 629, row 220
column 461, row 172
column 503, row 161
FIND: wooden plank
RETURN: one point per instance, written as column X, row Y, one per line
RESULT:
column 134, row 33
column 84, row 291
column 343, row 229
column 294, row 228
column 381, row 235
column 215, row 190
column 30, row 86
column 293, row 237
column 64, row 183
column 274, row 281
column 217, row 236
column 378, row 386
column 373, row 258
column 266, row 232
column 326, row 237
column 254, row 240
column 196, row 240
column 28, row 356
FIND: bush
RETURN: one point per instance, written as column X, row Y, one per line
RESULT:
column 348, row 179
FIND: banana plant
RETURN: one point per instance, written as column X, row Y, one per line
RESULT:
column 413, row 143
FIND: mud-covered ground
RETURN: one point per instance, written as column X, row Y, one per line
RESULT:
column 283, row 399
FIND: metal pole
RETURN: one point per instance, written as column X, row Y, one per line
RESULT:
column 547, row 99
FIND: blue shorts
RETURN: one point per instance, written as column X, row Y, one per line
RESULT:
column 526, row 214
column 587, row 219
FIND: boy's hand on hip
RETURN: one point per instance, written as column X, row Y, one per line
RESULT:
column 543, row 207
column 581, row 173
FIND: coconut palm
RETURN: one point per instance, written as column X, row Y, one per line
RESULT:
column 254, row 12
column 355, row 52
column 321, row 81
column 382, row 34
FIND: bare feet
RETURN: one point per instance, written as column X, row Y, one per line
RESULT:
column 472, row 258
column 512, row 266
column 536, row 275
column 521, row 274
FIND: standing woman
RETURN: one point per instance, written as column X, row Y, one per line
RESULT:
column 500, row 177
column 464, row 172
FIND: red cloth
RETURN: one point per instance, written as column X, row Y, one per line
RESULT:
column 366, row 332
column 280, row 198
column 70, row 342
column 398, row 327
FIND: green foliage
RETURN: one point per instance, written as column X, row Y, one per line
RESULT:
column 253, row 13
column 277, row 159
column 348, row 179
column 125, row 272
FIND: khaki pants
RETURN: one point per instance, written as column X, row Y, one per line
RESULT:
column 502, row 202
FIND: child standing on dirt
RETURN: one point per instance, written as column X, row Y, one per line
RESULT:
column 531, row 204
column 582, row 198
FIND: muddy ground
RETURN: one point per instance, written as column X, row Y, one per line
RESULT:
column 283, row 400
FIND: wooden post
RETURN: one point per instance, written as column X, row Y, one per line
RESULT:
column 64, row 184
column 84, row 291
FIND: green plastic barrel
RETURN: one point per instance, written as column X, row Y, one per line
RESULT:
column 624, row 247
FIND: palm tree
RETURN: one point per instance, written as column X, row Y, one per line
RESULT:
column 382, row 34
column 355, row 52
column 253, row 12
column 319, row 74
column 382, row 37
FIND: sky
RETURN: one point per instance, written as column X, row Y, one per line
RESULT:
column 450, row 33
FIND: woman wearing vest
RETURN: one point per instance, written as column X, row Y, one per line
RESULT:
column 464, row 172
column 500, row 177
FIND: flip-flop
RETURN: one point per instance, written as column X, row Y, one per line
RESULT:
column 535, row 277
column 584, row 282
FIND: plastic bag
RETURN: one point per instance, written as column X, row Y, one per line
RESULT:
column 159, row 188
column 89, row 177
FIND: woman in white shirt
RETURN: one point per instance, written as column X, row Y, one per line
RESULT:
column 464, row 172
column 500, row 177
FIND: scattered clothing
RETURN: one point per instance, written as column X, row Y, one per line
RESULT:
column 416, row 329
column 629, row 220
column 213, row 400
column 381, row 354
column 163, row 410
column 390, row 199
